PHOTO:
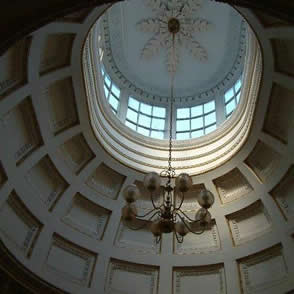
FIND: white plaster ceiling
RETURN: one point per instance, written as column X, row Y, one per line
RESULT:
column 222, row 43
column 61, row 192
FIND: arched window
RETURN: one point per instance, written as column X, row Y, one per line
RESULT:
column 111, row 91
column 146, row 119
column 196, row 121
column 232, row 98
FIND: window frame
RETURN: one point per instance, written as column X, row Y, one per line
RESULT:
column 110, row 91
column 152, row 116
column 204, row 126
column 235, row 97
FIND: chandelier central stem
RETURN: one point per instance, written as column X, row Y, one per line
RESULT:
column 171, row 171
column 169, row 216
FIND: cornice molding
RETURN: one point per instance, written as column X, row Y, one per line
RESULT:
column 112, row 44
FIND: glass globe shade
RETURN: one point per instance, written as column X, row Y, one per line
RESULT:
column 183, row 182
column 181, row 228
column 205, row 199
column 131, row 193
column 155, row 228
column 129, row 212
column 152, row 181
column 166, row 226
column 203, row 216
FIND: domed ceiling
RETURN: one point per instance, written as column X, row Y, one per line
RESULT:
column 138, row 45
column 61, row 191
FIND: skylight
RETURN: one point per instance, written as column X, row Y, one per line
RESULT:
column 111, row 91
column 146, row 119
column 196, row 121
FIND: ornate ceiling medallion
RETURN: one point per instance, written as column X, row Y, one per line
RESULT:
column 174, row 18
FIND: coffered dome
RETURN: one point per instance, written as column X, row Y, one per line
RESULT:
column 66, row 155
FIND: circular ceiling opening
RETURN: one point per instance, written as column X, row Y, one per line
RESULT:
column 131, row 55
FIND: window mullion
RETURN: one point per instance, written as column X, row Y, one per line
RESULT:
column 123, row 105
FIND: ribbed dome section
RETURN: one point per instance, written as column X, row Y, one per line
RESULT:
column 61, row 189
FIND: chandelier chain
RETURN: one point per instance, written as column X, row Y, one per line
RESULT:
column 171, row 171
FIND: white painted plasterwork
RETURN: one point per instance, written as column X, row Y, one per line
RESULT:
column 151, row 81
column 193, row 156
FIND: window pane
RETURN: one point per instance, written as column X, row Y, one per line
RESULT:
column 183, row 125
column 197, row 110
column 132, row 115
column 130, row 125
column 210, row 106
column 143, row 131
column 144, row 120
column 113, row 102
column 145, row 108
column 106, row 91
column 197, row 134
column 210, row 119
column 156, row 135
column 115, row 90
column 238, row 97
column 230, row 106
column 107, row 81
column 229, row 95
column 183, row 136
column 183, row 112
column 157, row 124
column 197, row 123
column 133, row 103
column 238, row 85
column 210, row 129
column 159, row 111
column 102, row 70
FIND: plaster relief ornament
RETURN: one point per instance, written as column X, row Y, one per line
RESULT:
column 174, row 18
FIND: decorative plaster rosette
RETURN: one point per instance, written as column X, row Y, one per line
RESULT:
column 182, row 12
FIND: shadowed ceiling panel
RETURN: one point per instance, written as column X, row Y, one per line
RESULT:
column 263, row 270
column 232, row 186
column 19, row 226
column 263, row 160
column 87, row 217
column 249, row 223
column 284, row 59
column 14, row 67
column 76, row 153
column 129, row 278
column 141, row 241
column 56, row 52
column 61, row 103
column 22, row 123
column 209, row 241
column 69, row 261
column 279, row 118
column 203, row 280
column 106, row 181
column 46, row 182
column 283, row 194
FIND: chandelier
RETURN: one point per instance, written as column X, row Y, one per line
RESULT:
column 167, row 216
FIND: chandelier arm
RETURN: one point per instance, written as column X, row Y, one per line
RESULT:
column 158, row 239
column 180, row 239
column 190, row 230
column 144, row 225
column 183, row 197
column 153, row 203
column 142, row 216
column 179, row 210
